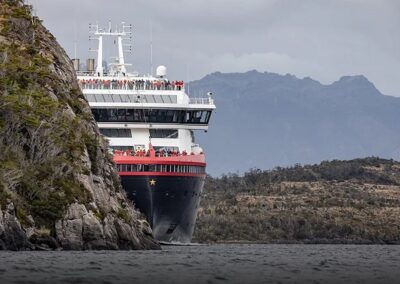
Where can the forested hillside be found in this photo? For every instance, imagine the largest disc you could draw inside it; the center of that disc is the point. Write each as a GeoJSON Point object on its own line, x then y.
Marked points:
{"type": "Point", "coordinates": [356, 201]}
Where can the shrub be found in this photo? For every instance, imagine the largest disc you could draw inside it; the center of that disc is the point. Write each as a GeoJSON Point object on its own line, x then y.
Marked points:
{"type": "Point", "coordinates": [124, 215]}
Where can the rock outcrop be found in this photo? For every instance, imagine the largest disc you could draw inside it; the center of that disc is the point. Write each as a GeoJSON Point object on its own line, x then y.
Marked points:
{"type": "Point", "coordinates": [59, 188]}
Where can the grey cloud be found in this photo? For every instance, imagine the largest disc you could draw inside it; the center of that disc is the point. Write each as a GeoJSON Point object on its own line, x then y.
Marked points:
{"type": "Point", "coordinates": [323, 39]}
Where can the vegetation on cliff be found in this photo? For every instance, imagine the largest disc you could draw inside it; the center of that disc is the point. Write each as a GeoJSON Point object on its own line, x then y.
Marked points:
{"type": "Point", "coordinates": [355, 201]}
{"type": "Point", "coordinates": [53, 160]}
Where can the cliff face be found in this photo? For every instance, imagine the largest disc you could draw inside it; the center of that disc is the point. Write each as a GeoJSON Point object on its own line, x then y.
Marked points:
{"type": "Point", "coordinates": [58, 185]}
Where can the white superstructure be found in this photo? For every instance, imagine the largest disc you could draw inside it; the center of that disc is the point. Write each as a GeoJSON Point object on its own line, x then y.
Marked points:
{"type": "Point", "coordinates": [133, 111]}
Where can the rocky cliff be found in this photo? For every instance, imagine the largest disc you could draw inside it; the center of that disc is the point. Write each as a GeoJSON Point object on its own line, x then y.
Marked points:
{"type": "Point", "coordinates": [58, 184]}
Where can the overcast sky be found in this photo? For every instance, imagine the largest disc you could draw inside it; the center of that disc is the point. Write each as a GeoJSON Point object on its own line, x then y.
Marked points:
{"type": "Point", "coordinates": [322, 39]}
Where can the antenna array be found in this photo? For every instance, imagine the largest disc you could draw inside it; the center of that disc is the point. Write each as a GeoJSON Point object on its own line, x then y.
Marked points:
{"type": "Point", "coordinates": [123, 33]}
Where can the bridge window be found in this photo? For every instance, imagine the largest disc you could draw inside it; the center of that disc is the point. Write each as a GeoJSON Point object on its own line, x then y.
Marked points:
{"type": "Point", "coordinates": [152, 116]}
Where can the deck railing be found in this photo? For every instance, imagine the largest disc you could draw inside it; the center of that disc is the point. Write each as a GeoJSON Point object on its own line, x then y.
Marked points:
{"type": "Point", "coordinates": [148, 153]}
{"type": "Point", "coordinates": [97, 84]}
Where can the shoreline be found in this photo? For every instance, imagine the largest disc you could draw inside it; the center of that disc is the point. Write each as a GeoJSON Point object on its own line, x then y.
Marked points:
{"type": "Point", "coordinates": [309, 242]}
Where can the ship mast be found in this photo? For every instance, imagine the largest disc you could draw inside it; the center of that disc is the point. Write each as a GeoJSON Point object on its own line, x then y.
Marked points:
{"type": "Point", "coordinates": [123, 33]}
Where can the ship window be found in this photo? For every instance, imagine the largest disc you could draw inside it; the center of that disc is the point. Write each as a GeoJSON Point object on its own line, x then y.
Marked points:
{"type": "Point", "coordinates": [90, 98]}
{"type": "Point", "coordinates": [108, 98]}
{"type": "Point", "coordinates": [204, 115]}
{"type": "Point", "coordinates": [166, 149]}
{"type": "Point", "coordinates": [113, 114]}
{"type": "Point", "coordinates": [116, 132]}
{"type": "Point", "coordinates": [160, 168]}
{"type": "Point", "coordinates": [163, 133]}
{"type": "Point", "coordinates": [121, 114]}
{"type": "Point", "coordinates": [166, 99]}
{"type": "Point", "coordinates": [129, 115]}
{"type": "Point", "coordinates": [158, 99]}
{"type": "Point", "coordinates": [122, 148]}
{"type": "Point", "coordinates": [150, 99]}
{"type": "Point", "coordinates": [151, 115]}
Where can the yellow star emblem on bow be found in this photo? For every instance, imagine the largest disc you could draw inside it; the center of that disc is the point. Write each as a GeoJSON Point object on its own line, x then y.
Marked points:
{"type": "Point", "coordinates": [152, 182]}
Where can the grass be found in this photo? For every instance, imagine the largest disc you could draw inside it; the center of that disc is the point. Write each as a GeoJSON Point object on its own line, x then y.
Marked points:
{"type": "Point", "coordinates": [124, 215]}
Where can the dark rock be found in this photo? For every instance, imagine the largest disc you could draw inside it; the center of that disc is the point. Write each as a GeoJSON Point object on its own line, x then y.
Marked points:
{"type": "Point", "coordinates": [54, 164]}
{"type": "Point", "coordinates": [14, 237]}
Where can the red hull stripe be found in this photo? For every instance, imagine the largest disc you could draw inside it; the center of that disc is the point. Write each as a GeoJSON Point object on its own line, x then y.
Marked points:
{"type": "Point", "coordinates": [160, 174]}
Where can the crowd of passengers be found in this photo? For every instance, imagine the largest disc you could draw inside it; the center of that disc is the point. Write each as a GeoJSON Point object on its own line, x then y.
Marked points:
{"type": "Point", "coordinates": [143, 153]}
{"type": "Point", "coordinates": [131, 85]}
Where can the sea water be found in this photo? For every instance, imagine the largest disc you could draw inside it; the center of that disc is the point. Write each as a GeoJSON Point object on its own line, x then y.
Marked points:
{"type": "Point", "coordinates": [221, 263]}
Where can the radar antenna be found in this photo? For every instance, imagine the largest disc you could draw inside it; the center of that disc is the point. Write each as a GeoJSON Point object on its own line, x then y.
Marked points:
{"type": "Point", "coordinates": [123, 34]}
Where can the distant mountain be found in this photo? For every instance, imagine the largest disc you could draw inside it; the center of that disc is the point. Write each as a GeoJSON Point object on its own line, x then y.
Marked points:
{"type": "Point", "coordinates": [266, 120]}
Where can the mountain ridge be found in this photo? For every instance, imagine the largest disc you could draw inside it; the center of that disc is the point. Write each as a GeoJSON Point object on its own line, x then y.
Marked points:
{"type": "Point", "coordinates": [289, 120]}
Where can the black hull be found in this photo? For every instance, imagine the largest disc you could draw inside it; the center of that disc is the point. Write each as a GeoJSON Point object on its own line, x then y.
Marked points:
{"type": "Point", "coordinates": [170, 203]}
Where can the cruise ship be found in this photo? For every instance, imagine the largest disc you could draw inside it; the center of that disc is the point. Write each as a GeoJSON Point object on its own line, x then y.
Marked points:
{"type": "Point", "coordinates": [149, 122]}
